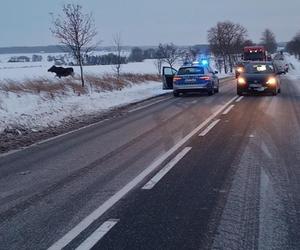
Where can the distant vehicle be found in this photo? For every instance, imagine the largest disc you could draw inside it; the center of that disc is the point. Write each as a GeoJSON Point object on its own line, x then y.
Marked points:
{"type": "Point", "coordinates": [280, 63]}
{"type": "Point", "coordinates": [61, 71]}
{"type": "Point", "coordinates": [192, 78]}
{"type": "Point", "coordinates": [259, 77]}
{"type": "Point", "coordinates": [255, 53]}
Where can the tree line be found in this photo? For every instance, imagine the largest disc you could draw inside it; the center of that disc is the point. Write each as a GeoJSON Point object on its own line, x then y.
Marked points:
{"type": "Point", "coordinates": [76, 31]}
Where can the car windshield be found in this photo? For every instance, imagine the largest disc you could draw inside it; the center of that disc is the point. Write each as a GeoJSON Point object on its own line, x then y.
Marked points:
{"type": "Point", "coordinates": [259, 68]}
{"type": "Point", "coordinates": [191, 71]}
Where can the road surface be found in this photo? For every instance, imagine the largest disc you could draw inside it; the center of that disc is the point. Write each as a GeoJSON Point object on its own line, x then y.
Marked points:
{"type": "Point", "coordinates": [194, 172]}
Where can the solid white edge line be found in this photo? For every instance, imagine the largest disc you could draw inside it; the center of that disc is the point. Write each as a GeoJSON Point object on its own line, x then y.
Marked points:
{"type": "Point", "coordinates": [209, 128]}
{"type": "Point", "coordinates": [228, 110]}
{"type": "Point", "coordinates": [239, 99]}
{"type": "Point", "coordinates": [87, 221]}
{"type": "Point", "coordinates": [149, 185]}
{"type": "Point", "coordinates": [149, 105]}
{"type": "Point", "coordinates": [96, 236]}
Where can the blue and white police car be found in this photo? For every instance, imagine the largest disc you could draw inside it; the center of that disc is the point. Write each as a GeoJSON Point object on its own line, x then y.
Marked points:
{"type": "Point", "coordinates": [196, 77]}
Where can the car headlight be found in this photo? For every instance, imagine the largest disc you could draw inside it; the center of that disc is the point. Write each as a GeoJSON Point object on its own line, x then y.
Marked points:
{"type": "Point", "coordinates": [272, 81]}
{"type": "Point", "coordinates": [241, 80]}
{"type": "Point", "coordinates": [240, 69]}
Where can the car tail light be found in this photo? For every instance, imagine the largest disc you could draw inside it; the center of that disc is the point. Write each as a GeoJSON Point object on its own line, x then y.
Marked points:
{"type": "Point", "coordinates": [177, 78]}
{"type": "Point", "coordinates": [205, 78]}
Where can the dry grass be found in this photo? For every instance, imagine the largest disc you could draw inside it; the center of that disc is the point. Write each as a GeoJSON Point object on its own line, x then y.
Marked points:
{"type": "Point", "coordinates": [58, 87]}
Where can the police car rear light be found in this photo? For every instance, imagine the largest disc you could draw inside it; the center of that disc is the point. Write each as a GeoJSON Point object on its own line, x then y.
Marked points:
{"type": "Point", "coordinates": [205, 78]}
{"type": "Point", "coordinates": [177, 78]}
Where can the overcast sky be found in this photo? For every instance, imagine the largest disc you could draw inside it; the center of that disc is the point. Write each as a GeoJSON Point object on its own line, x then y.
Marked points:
{"type": "Point", "coordinates": [149, 22]}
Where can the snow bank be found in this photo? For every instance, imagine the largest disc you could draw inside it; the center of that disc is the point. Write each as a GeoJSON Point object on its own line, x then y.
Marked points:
{"type": "Point", "coordinates": [294, 67]}
{"type": "Point", "coordinates": [34, 111]}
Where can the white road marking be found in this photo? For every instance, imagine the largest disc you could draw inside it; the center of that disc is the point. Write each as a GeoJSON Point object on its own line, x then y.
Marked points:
{"type": "Point", "coordinates": [209, 128]}
{"type": "Point", "coordinates": [228, 110]}
{"type": "Point", "coordinates": [239, 99]}
{"type": "Point", "coordinates": [166, 169]}
{"type": "Point", "coordinates": [97, 235]}
{"type": "Point", "coordinates": [149, 105]}
{"type": "Point", "coordinates": [86, 222]}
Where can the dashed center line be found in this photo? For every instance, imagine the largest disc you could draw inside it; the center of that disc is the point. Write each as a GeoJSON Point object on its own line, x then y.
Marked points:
{"type": "Point", "coordinates": [228, 110]}
{"type": "Point", "coordinates": [209, 128]}
{"type": "Point", "coordinates": [166, 169]}
{"type": "Point", "coordinates": [239, 99]}
{"type": "Point", "coordinates": [97, 235]}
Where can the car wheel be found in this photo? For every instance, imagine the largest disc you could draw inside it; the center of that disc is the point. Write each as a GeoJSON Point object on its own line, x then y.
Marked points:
{"type": "Point", "coordinates": [211, 91]}
{"type": "Point", "coordinates": [176, 93]}
{"type": "Point", "coordinates": [239, 92]}
{"type": "Point", "coordinates": [279, 90]}
{"type": "Point", "coordinates": [217, 88]}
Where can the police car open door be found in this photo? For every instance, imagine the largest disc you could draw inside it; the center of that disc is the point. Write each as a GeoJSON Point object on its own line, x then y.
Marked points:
{"type": "Point", "coordinates": [168, 74]}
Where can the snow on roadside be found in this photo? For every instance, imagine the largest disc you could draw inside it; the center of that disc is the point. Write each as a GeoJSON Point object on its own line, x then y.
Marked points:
{"type": "Point", "coordinates": [33, 111]}
{"type": "Point", "coordinates": [294, 67]}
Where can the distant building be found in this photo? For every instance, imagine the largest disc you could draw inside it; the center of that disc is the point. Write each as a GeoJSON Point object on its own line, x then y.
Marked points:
{"type": "Point", "coordinates": [19, 59]}
{"type": "Point", "coordinates": [37, 58]}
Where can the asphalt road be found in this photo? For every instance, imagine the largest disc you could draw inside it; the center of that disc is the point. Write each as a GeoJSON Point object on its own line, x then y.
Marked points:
{"type": "Point", "coordinates": [146, 180]}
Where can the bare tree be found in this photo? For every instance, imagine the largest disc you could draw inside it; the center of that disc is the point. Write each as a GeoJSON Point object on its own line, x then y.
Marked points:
{"type": "Point", "coordinates": [194, 53]}
{"type": "Point", "coordinates": [168, 53]}
{"type": "Point", "coordinates": [76, 30]}
{"type": "Point", "coordinates": [269, 41]}
{"type": "Point", "coordinates": [293, 47]}
{"type": "Point", "coordinates": [226, 40]}
{"type": "Point", "coordinates": [158, 64]}
{"type": "Point", "coordinates": [117, 41]}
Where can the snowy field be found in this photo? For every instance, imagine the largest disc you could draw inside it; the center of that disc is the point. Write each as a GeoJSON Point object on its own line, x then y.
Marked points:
{"type": "Point", "coordinates": [21, 71]}
{"type": "Point", "coordinates": [36, 111]}
{"type": "Point", "coordinates": [29, 70]}
{"type": "Point", "coordinates": [28, 110]}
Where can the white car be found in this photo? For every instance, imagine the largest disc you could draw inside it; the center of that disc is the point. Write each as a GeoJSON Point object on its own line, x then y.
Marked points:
{"type": "Point", "coordinates": [280, 63]}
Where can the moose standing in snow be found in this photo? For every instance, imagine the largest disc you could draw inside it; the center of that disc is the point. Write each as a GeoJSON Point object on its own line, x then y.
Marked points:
{"type": "Point", "coordinates": [61, 71]}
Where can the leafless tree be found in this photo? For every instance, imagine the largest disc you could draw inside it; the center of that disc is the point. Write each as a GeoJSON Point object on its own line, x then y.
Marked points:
{"type": "Point", "coordinates": [194, 53]}
{"type": "Point", "coordinates": [226, 40]}
{"type": "Point", "coordinates": [169, 53]}
{"type": "Point", "coordinates": [76, 30]}
{"type": "Point", "coordinates": [269, 41]}
{"type": "Point", "coordinates": [117, 41]}
{"type": "Point", "coordinates": [293, 46]}
{"type": "Point", "coordinates": [158, 64]}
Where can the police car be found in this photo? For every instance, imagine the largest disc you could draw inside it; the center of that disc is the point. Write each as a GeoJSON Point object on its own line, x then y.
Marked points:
{"type": "Point", "coordinates": [196, 77]}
